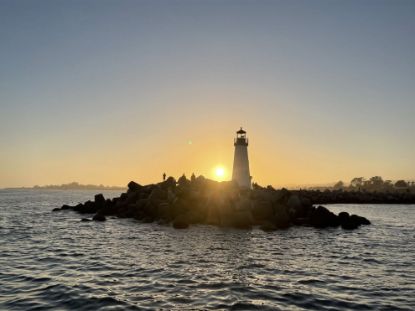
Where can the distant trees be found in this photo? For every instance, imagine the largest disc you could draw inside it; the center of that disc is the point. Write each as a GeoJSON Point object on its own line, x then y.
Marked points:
{"type": "Point", "coordinates": [357, 182]}
{"type": "Point", "coordinates": [401, 184]}
{"type": "Point", "coordinates": [339, 185]}
{"type": "Point", "coordinates": [375, 184]}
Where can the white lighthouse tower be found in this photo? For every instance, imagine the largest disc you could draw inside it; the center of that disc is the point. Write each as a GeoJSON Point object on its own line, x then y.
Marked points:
{"type": "Point", "coordinates": [240, 172]}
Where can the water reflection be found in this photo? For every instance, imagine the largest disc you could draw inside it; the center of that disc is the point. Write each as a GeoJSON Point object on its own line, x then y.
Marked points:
{"type": "Point", "coordinates": [53, 260]}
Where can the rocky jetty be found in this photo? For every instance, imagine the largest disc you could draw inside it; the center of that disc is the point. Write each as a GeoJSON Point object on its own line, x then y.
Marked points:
{"type": "Point", "coordinates": [203, 201]}
{"type": "Point", "coordinates": [357, 197]}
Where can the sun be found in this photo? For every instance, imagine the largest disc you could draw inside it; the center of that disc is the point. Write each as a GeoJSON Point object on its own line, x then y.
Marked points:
{"type": "Point", "coordinates": [219, 172]}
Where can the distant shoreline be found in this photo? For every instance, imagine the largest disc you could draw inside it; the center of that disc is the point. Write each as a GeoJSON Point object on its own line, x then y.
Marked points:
{"type": "Point", "coordinates": [69, 186]}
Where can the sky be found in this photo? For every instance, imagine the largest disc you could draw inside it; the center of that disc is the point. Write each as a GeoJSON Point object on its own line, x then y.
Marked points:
{"type": "Point", "coordinates": [105, 92]}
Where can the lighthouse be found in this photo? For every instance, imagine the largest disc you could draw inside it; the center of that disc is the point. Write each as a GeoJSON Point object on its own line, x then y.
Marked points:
{"type": "Point", "coordinates": [240, 172]}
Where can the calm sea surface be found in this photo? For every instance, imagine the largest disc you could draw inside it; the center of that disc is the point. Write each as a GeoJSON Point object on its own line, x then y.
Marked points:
{"type": "Point", "coordinates": [54, 261]}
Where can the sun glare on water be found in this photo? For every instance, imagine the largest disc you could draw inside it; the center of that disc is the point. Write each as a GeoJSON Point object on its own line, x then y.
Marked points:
{"type": "Point", "coordinates": [219, 173]}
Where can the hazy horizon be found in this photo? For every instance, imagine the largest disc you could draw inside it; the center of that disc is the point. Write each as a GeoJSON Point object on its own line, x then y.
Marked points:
{"type": "Point", "coordinates": [104, 92]}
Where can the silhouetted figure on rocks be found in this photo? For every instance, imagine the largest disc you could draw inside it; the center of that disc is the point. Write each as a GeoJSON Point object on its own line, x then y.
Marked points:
{"type": "Point", "coordinates": [164, 176]}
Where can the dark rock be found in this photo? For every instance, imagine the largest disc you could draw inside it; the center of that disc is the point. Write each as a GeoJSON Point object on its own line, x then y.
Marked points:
{"type": "Point", "coordinates": [56, 209]}
{"type": "Point", "coordinates": [242, 220]}
{"type": "Point", "coordinates": [322, 218]}
{"type": "Point", "coordinates": [180, 223]}
{"type": "Point", "coordinates": [360, 220]}
{"type": "Point", "coordinates": [99, 201]}
{"type": "Point", "coordinates": [109, 208]}
{"type": "Point", "coordinates": [353, 222]}
{"type": "Point", "coordinates": [281, 218]}
{"type": "Point", "coordinates": [147, 220]}
{"type": "Point", "coordinates": [164, 211]}
{"type": "Point", "coordinates": [85, 219]}
{"type": "Point", "coordinates": [158, 194]}
{"type": "Point", "coordinates": [343, 217]}
{"type": "Point", "coordinates": [183, 181]}
{"type": "Point", "coordinates": [268, 226]}
{"type": "Point", "coordinates": [89, 207]}
{"type": "Point", "coordinates": [349, 225]}
{"type": "Point", "coordinates": [169, 183]}
{"type": "Point", "coordinates": [123, 197]}
{"type": "Point", "coordinates": [301, 221]}
{"type": "Point", "coordinates": [294, 202]}
{"type": "Point", "coordinates": [282, 196]}
{"type": "Point", "coordinates": [99, 217]}
{"type": "Point", "coordinates": [133, 186]}
{"type": "Point", "coordinates": [66, 207]}
{"type": "Point", "coordinates": [262, 211]}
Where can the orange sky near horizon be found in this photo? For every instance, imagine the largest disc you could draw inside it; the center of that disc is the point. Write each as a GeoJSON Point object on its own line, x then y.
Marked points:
{"type": "Point", "coordinates": [276, 161]}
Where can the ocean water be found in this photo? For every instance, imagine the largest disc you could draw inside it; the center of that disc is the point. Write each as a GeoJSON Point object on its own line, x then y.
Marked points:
{"type": "Point", "coordinates": [52, 261]}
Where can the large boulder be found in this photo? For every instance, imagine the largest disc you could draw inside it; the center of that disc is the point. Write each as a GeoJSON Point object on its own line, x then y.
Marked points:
{"type": "Point", "coordinates": [321, 217]}
{"type": "Point", "coordinates": [109, 208]}
{"type": "Point", "coordinates": [133, 186]}
{"type": "Point", "coordinates": [343, 217]}
{"type": "Point", "coordinates": [352, 222]}
{"type": "Point", "coordinates": [99, 201]}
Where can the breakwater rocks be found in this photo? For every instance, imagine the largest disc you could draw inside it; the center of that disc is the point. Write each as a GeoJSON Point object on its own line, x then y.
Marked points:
{"type": "Point", "coordinates": [203, 201]}
{"type": "Point", "coordinates": [357, 197]}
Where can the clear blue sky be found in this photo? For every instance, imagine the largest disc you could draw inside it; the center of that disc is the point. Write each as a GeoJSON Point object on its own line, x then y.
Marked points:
{"type": "Point", "coordinates": [108, 91]}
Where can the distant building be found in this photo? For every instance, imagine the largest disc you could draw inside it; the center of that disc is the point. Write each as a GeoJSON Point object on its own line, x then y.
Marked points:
{"type": "Point", "coordinates": [240, 172]}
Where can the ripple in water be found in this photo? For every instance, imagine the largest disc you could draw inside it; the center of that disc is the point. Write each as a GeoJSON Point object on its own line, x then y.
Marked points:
{"type": "Point", "coordinates": [54, 261]}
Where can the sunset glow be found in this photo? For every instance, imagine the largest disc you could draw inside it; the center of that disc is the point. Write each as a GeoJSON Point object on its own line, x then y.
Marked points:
{"type": "Point", "coordinates": [219, 173]}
